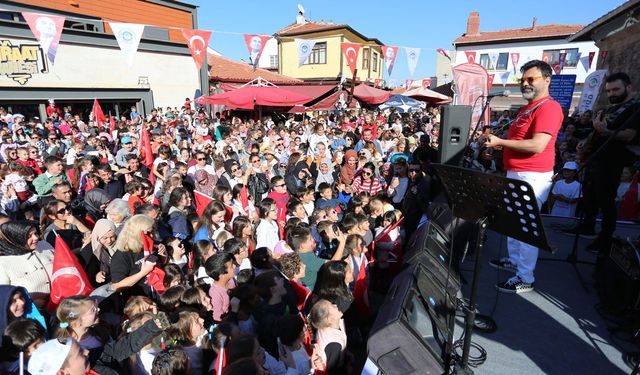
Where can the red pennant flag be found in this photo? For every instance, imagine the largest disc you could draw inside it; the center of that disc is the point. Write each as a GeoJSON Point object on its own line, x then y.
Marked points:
{"type": "Point", "coordinates": [221, 361]}
{"type": "Point", "coordinates": [389, 53]}
{"type": "Point", "coordinates": [351, 51]}
{"type": "Point", "coordinates": [546, 57]}
{"type": "Point", "coordinates": [244, 200]}
{"type": "Point", "coordinates": [202, 201]}
{"type": "Point", "coordinates": [604, 55]}
{"type": "Point", "coordinates": [556, 68]}
{"type": "Point", "coordinates": [147, 244]}
{"type": "Point", "coordinates": [68, 278]}
{"type": "Point", "coordinates": [515, 58]}
{"type": "Point", "coordinates": [426, 83]}
{"type": "Point", "coordinates": [47, 29]}
{"type": "Point", "coordinates": [255, 45]}
{"type": "Point", "coordinates": [562, 58]}
{"type": "Point", "coordinates": [98, 115]}
{"type": "Point", "coordinates": [198, 41]}
{"type": "Point", "coordinates": [155, 278]}
{"type": "Point", "coordinates": [145, 147]}
{"type": "Point", "coordinates": [629, 204]}
{"type": "Point", "coordinates": [591, 56]}
{"type": "Point", "coordinates": [490, 81]}
{"type": "Point", "coordinates": [360, 294]}
{"type": "Point", "coordinates": [444, 53]}
{"type": "Point", "coordinates": [471, 56]}
{"type": "Point", "coordinates": [408, 83]}
{"type": "Point", "coordinates": [376, 82]}
{"type": "Point", "coordinates": [112, 124]}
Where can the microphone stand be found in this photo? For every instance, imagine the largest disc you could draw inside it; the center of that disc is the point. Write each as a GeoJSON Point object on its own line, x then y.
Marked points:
{"type": "Point", "coordinates": [475, 129]}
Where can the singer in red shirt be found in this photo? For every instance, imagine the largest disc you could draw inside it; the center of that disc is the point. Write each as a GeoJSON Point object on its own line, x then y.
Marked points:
{"type": "Point", "coordinates": [529, 155]}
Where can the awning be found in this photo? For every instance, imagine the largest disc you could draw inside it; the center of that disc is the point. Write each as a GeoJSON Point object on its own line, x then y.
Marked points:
{"type": "Point", "coordinates": [370, 95]}
{"type": "Point", "coordinates": [314, 91]}
{"type": "Point", "coordinates": [249, 96]}
{"type": "Point", "coordinates": [329, 103]}
{"type": "Point", "coordinates": [427, 95]}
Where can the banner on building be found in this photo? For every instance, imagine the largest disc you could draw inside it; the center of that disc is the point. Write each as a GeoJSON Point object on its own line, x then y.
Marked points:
{"type": "Point", "coordinates": [471, 82]}
{"type": "Point", "coordinates": [351, 51]}
{"type": "Point", "coordinates": [255, 45]}
{"type": "Point", "coordinates": [389, 53]}
{"type": "Point", "coordinates": [590, 90]}
{"type": "Point", "coordinates": [515, 58]}
{"type": "Point", "coordinates": [426, 83]}
{"type": "Point", "coordinates": [304, 48]}
{"type": "Point", "coordinates": [20, 62]}
{"type": "Point", "coordinates": [197, 41]}
{"type": "Point", "coordinates": [471, 56]}
{"type": "Point", "coordinates": [128, 36]}
{"type": "Point", "coordinates": [413, 55]}
{"type": "Point", "coordinates": [561, 89]}
{"type": "Point", "coordinates": [47, 29]}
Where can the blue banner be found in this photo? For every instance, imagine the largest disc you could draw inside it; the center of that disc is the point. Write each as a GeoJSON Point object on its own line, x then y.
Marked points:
{"type": "Point", "coordinates": [561, 89]}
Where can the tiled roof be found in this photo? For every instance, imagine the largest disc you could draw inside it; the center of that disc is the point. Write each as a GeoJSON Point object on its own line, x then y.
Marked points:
{"type": "Point", "coordinates": [294, 28]}
{"type": "Point", "coordinates": [542, 31]}
{"type": "Point", "coordinates": [227, 70]}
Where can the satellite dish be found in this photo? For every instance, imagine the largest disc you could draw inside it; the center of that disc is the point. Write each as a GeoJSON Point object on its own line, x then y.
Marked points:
{"type": "Point", "coordinates": [300, 8]}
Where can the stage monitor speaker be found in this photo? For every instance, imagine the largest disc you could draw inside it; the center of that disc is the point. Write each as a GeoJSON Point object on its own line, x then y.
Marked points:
{"type": "Point", "coordinates": [413, 332]}
{"type": "Point", "coordinates": [455, 121]}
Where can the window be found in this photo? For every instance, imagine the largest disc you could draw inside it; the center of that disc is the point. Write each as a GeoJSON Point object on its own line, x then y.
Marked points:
{"type": "Point", "coordinates": [485, 62]}
{"type": "Point", "coordinates": [318, 54]}
{"type": "Point", "coordinates": [365, 58]}
{"type": "Point", "coordinates": [375, 62]}
{"type": "Point", "coordinates": [503, 60]}
{"type": "Point", "coordinates": [502, 64]}
{"type": "Point", "coordinates": [273, 61]}
{"type": "Point", "coordinates": [571, 61]}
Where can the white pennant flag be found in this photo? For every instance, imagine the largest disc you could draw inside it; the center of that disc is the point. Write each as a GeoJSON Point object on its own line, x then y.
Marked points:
{"type": "Point", "coordinates": [413, 55]}
{"type": "Point", "coordinates": [493, 56]}
{"type": "Point", "coordinates": [504, 77]}
{"type": "Point", "coordinates": [304, 47]}
{"type": "Point", "coordinates": [128, 36]}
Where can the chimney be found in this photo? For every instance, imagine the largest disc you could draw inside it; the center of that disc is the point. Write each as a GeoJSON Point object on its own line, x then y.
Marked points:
{"type": "Point", "coordinates": [473, 24]}
{"type": "Point", "coordinates": [534, 27]}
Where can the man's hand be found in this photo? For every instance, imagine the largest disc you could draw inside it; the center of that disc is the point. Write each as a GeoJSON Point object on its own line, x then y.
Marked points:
{"type": "Point", "coordinates": [599, 124]}
{"type": "Point", "coordinates": [492, 141]}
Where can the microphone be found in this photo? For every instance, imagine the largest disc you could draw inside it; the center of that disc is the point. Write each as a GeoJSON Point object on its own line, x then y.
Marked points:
{"type": "Point", "coordinates": [503, 93]}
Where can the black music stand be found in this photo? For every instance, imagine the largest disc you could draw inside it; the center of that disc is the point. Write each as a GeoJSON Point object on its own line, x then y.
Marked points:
{"type": "Point", "coordinates": [502, 204]}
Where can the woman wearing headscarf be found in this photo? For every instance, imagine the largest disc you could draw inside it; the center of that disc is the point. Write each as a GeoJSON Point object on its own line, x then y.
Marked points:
{"type": "Point", "coordinates": [348, 170]}
{"type": "Point", "coordinates": [205, 182]}
{"type": "Point", "coordinates": [22, 263]}
{"type": "Point", "coordinates": [297, 177]}
{"type": "Point", "coordinates": [95, 202]}
{"type": "Point", "coordinates": [16, 303]}
{"type": "Point", "coordinates": [325, 173]}
{"type": "Point", "coordinates": [95, 257]}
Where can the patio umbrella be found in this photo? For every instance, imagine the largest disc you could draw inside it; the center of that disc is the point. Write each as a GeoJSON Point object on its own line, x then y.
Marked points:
{"type": "Point", "coordinates": [402, 104]}
{"type": "Point", "coordinates": [370, 95]}
{"type": "Point", "coordinates": [427, 95]}
{"type": "Point", "coordinates": [249, 96]}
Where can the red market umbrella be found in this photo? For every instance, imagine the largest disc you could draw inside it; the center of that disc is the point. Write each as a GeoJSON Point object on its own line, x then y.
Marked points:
{"type": "Point", "coordinates": [249, 96]}
{"type": "Point", "coordinates": [370, 95]}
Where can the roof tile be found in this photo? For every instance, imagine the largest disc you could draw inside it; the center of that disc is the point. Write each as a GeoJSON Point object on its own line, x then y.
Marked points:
{"type": "Point", "coordinates": [227, 70]}
{"type": "Point", "coordinates": [541, 31]}
{"type": "Point", "coordinates": [294, 28]}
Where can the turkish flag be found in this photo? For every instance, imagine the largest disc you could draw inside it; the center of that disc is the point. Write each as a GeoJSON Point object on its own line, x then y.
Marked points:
{"type": "Point", "coordinates": [490, 81]}
{"type": "Point", "coordinates": [198, 41]}
{"type": "Point", "coordinates": [444, 53]}
{"type": "Point", "coordinates": [112, 124]}
{"type": "Point", "coordinates": [408, 83]}
{"type": "Point", "coordinates": [69, 278]}
{"type": "Point", "coordinates": [360, 293]}
{"type": "Point", "coordinates": [202, 201]}
{"type": "Point", "coordinates": [471, 56]}
{"type": "Point", "coordinates": [351, 51]}
{"type": "Point", "coordinates": [244, 200]}
{"type": "Point", "coordinates": [546, 57]}
{"type": "Point", "coordinates": [591, 56]}
{"type": "Point", "coordinates": [376, 82]}
{"type": "Point", "coordinates": [98, 115]}
{"type": "Point", "coordinates": [155, 278]}
{"type": "Point", "coordinates": [426, 83]}
{"type": "Point", "coordinates": [221, 361]}
{"type": "Point", "coordinates": [255, 45]}
{"type": "Point", "coordinates": [629, 204]}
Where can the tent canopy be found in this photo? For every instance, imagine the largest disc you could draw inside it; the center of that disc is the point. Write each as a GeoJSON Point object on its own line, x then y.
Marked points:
{"type": "Point", "coordinates": [427, 95]}
{"type": "Point", "coordinates": [370, 95]}
{"type": "Point", "coordinates": [329, 103]}
{"type": "Point", "coordinates": [402, 103]}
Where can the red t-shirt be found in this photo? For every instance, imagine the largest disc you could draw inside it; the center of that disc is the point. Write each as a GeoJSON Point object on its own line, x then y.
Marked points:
{"type": "Point", "coordinates": [547, 118]}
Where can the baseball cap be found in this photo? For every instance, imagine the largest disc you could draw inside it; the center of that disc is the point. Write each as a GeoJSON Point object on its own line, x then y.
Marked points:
{"type": "Point", "coordinates": [570, 165]}
{"type": "Point", "coordinates": [49, 357]}
{"type": "Point", "coordinates": [126, 140]}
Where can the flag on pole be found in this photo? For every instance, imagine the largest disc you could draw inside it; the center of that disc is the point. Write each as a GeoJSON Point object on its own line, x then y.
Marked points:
{"type": "Point", "coordinates": [360, 291]}
{"type": "Point", "coordinates": [255, 45]}
{"type": "Point", "coordinates": [244, 200]}
{"type": "Point", "coordinates": [201, 201]}
{"type": "Point", "coordinates": [389, 53]}
{"type": "Point", "coordinates": [68, 278]}
{"type": "Point", "coordinates": [98, 115]}
{"type": "Point", "coordinates": [471, 56]}
{"type": "Point", "coordinates": [47, 29]}
{"type": "Point", "coordinates": [304, 47]}
{"type": "Point", "coordinates": [351, 51]}
{"type": "Point", "coordinates": [146, 154]}
{"type": "Point", "coordinates": [112, 124]}
{"type": "Point", "coordinates": [128, 36]}
{"type": "Point", "coordinates": [221, 361]}
{"type": "Point", "coordinates": [155, 278]}
{"type": "Point", "coordinates": [413, 55]}
{"type": "Point", "coordinates": [198, 41]}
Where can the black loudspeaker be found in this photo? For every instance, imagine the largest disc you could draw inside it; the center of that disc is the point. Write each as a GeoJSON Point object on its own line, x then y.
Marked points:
{"type": "Point", "coordinates": [455, 121]}
{"type": "Point", "coordinates": [413, 332]}
{"type": "Point", "coordinates": [618, 277]}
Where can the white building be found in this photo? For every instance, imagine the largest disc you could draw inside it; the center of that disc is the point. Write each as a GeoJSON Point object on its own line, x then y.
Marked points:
{"type": "Point", "coordinates": [541, 42]}
{"type": "Point", "coordinates": [269, 58]}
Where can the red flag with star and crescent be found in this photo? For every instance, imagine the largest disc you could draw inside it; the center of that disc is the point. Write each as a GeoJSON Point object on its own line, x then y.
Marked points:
{"type": "Point", "coordinates": [197, 41]}
{"type": "Point", "coordinates": [68, 278]}
{"type": "Point", "coordinates": [201, 201]}
{"type": "Point", "coordinates": [351, 51]}
{"type": "Point", "coordinates": [98, 116]}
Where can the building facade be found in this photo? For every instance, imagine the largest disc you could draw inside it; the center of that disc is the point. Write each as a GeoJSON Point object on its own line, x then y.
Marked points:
{"type": "Point", "coordinates": [89, 63]}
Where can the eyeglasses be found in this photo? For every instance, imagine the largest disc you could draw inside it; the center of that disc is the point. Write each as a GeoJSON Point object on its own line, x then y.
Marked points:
{"type": "Point", "coordinates": [414, 170]}
{"type": "Point", "coordinates": [63, 210]}
{"type": "Point", "coordinates": [279, 185]}
{"type": "Point", "coordinates": [255, 161]}
{"type": "Point", "coordinates": [234, 170]}
{"type": "Point", "coordinates": [529, 80]}
{"type": "Point", "coordinates": [53, 139]}
{"type": "Point", "coordinates": [367, 173]}
{"type": "Point", "coordinates": [201, 159]}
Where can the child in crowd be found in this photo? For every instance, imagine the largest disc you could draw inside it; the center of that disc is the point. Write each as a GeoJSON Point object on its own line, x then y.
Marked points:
{"type": "Point", "coordinates": [566, 192]}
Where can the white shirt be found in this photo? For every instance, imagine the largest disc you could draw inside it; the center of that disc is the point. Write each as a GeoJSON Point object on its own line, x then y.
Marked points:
{"type": "Point", "coordinates": [571, 191]}
{"type": "Point", "coordinates": [267, 234]}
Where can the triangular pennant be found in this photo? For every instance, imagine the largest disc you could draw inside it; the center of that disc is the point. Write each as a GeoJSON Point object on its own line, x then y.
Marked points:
{"type": "Point", "coordinates": [426, 83]}
{"type": "Point", "coordinates": [546, 57]}
{"type": "Point", "coordinates": [197, 41]}
{"type": "Point", "coordinates": [584, 60]}
{"type": "Point", "coordinates": [444, 53]}
{"type": "Point", "coordinates": [408, 83]}
{"type": "Point", "coordinates": [562, 58]}
{"type": "Point", "coordinates": [128, 36]}
{"type": "Point", "coordinates": [604, 55]}
{"type": "Point", "coordinates": [47, 29]}
{"type": "Point", "coordinates": [68, 278]}
{"type": "Point", "coordinates": [591, 56]}
{"type": "Point", "coordinates": [389, 53]}
{"type": "Point", "coordinates": [493, 57]}
{"type": "Point", "coordinates": [304, 48]}
{"type": "Point", "coordinates": [413, 55]}
{"type": "Point", "coordinates": [504, 78]}
{"type": "Point", "coordinates": [471, 56]}
{"type": "Point", "coordinates": [491, 77]}
{"type": "Point", "coordinates": [515, 58]}
{"type": "Point", "coordinates": [351, 51]}
{"type": "Point", "coordinates": [376, 82]}
{"type": "Point", "coordinates": [255, 45]}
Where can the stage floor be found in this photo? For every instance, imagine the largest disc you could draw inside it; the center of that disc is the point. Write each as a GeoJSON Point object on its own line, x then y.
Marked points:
{"type": "Point", "coordinates": [553, 330]}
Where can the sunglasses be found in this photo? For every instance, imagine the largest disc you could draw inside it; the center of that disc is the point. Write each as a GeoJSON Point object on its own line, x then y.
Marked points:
{"type": "Point", "coordinates": [255, 161]}
{"type": "Point", "coordinates": [367, 173]}
{"type": "Point", "coordinates": [414, 170]}
{"type": "Point", "coordinates": [234, 170]}
{"type": "Point", "coordinates": [279, 185]}
{"type": "Point", "coordinates": [63, 210]}
{"type": "Point", "coordinates": [529, 80]}
{"type": "Point", "coordinates": [201, 159]}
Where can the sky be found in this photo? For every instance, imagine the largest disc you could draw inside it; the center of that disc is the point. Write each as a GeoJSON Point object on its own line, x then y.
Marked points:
{"type": "Point", "coordinates": [426, 24]}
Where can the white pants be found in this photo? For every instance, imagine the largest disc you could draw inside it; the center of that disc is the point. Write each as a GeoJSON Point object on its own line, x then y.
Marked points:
{"type": "Point", "coordinates": [523, 255]}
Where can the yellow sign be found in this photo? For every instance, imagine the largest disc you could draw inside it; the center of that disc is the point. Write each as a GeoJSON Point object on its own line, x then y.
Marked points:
{"type": "Point", "coordinates": [21, 61]}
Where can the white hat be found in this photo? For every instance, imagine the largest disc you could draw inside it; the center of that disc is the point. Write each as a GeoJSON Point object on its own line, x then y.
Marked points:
{"type": "Point", "coordinates": [49, 357]}
{"type": "Point", "coordinates": [570, 165]}
{"type": "Point", "coordinates": [51, 101]}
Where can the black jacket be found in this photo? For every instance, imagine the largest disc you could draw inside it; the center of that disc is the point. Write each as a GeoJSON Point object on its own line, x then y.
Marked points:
{"type": "Point", "coordinates": [257, 185]}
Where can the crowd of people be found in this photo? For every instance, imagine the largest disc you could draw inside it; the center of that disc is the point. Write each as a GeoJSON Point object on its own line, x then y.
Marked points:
{"type": "Point", "coordinates": [268, 237]}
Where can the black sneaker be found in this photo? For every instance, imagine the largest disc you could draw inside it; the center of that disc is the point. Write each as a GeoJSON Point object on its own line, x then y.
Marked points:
{"type": "Point", "coordinates": [514, 285]}
{"type": "Point", "coordinates": [584, 233]}
{"type": "Point", "coordinates": [503, 264]}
